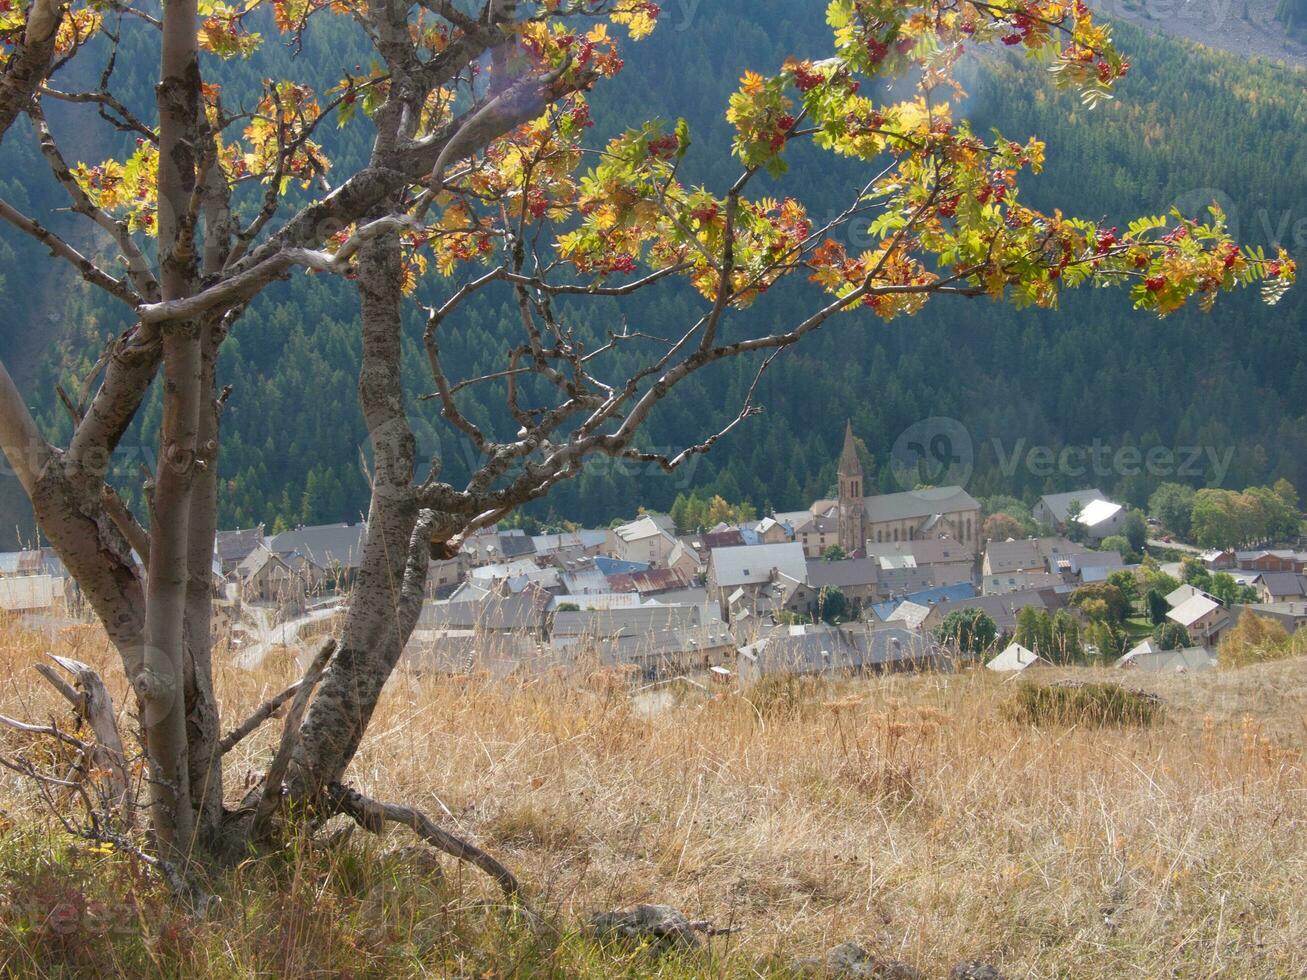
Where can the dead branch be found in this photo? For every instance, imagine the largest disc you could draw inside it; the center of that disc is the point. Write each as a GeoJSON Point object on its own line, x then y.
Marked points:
{"type": "Point", "coordinates": [261, 714]}
{"type": "Point", "coordinates": [373, 815]}
{"type": "Point", "coordinates": [276, 774]}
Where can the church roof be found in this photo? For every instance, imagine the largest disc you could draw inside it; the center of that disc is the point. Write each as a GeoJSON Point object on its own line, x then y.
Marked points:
{"type": "Point", "coordinates": [918, 503]}
{"type": "Point", "coordinates": [849, 465]}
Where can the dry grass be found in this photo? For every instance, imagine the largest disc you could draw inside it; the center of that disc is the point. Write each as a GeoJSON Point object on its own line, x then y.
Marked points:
{"type": "Point", "coordinates": [907, 813]}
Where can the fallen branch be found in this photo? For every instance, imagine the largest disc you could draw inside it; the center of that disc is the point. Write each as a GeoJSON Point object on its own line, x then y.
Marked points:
{"type": "Point", "coordinates": [261, 714]}
{"type": "Point", "coordinates": [373, 815]}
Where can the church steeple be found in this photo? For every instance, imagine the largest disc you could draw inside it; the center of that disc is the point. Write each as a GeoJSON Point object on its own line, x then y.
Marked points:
{"type": "Point", "coordinates": [851, 506]}
{"type": "Point", "coordinates": [849, 464]}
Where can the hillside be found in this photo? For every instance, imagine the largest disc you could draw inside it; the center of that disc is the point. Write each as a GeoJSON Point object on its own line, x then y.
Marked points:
{"type": "Point", "coordinates": [1189, 126]}
{"type": "Point", "coordinates": [915, 818]}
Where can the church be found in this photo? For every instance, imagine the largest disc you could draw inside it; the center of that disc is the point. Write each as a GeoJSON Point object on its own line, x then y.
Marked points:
{"type": "Point", "coordinates": [854, 520]}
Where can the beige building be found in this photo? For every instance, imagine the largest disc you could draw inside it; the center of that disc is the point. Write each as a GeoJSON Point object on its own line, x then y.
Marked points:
{"type": "Point", "coordinates": [648, 539]}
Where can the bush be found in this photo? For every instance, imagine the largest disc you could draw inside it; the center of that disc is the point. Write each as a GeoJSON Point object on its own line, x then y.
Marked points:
{"type": "Point", "coordinates": [1256, 639]}
{"type": "Point", "coordinates": [1093, 705]}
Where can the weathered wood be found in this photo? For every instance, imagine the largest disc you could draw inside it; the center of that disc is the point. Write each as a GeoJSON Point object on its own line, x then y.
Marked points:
{"type": "Point", "coordinates": [96, 706]}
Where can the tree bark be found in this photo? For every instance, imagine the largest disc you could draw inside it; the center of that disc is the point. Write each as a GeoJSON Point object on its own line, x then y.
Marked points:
{"type": "Point", "coordinates": [160, 685]}
{"type": "Point", "coordinates": [387, 594]}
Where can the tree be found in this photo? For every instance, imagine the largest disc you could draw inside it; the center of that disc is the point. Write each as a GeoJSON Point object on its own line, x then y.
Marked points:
{"type": "Point", "coordinates": [1117, 543]}
{"type": "Point", "coordinates": [968, 630]}
{"type": "Point", "coordinates": [1224, 588]}
{"type": "Point", "coordinates": [1001, 527]}
{"type": "Point", "coordinates": [832, 604]}
{"type": "Point", "coordinates": [1125, 580]}
{"type": "Point", "coordinates": [1066, 638]}
{"type": "Point", "coordinates": [1173, 504]}
{"type": "Point", "coordinates": [1034, 630]}
{"type": "Point", "coordinates": [1136, 530]}
{"type": "Point", "coordinates": [1195, 573]}
{"type": "Point", "coordinates": [834, 553]}
{"type": "Point", "coordinates": [1170, 636]}
{"type": "Point", "coordinates": [480, 186]}
{"type": "Point", "coordinates": [1253, 639]}
{"type": "Point", "coordinates": [1115, 606]}
{"type": "Point", "coordinates": [1157, 607]}
{"type": "Point", "coordinates": [1075, 529]}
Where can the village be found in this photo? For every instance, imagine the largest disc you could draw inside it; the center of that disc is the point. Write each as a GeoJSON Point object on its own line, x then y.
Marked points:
{"type": "Point", "coordinates": [889, 582]}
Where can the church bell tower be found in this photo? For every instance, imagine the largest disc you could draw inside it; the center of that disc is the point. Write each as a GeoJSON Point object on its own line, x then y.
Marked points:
{"type": "Point", "coordinates": [851, 507]}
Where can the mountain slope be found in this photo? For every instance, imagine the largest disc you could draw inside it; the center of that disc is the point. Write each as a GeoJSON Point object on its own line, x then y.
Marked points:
{"type": "Point", "coordinates": [1188, 126]}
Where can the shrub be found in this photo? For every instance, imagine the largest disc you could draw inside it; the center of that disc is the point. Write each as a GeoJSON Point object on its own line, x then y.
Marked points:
{"type": "Point", "coordinates": [1081, 704]}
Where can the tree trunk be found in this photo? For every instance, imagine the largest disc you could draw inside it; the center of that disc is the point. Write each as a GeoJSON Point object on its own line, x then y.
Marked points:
{"type": "Point", "coordinates": [203, 731]}
{"type": "Point", "coordinates": [160, 685]}
{"type": "Point", "coordinates": [387, 594]}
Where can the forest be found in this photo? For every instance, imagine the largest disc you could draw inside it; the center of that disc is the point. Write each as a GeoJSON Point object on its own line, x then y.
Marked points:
{"type": "Point", "coordinates": [1188, 128]}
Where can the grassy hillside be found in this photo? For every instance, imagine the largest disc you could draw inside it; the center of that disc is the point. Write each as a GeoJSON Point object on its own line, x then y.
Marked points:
{"type": "Point", "coordinates": [906, 813]}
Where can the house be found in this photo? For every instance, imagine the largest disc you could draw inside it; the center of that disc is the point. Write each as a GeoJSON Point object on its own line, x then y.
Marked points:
{"type": "Point", "coordinates": [818, 533]}
{"type": "Point", "coordinates": [1279, 586]}
{"type": "Point", "coordinates": [881, 611]}
{"type": "Point", "coordinates": [1183, 594]}
{"type": "Point", "coordinates": [647, 539]}
{"type": "Point", "coordinates": [266, 577]}
{"type": "Point", "coordinates": [752, 571]}
{"type": "Point", "coordinates": [31, 594]}
{"type": "Point", "coordinates": [1184, 661]}
{"type": "Point", "coordinates": [335, 549]}
{"type": "Point", "coordinates": [898, 582]}
{"type": "Point", "coordinates": [857, 578]}
{"type": "Point", "coordinates": [1092, 566]}
{"type": "Point", "coordinates": [1291, 615]}
{"type": "Point", "coordinates": [950, 561]}
{"type": "Point", "coordinates": [820, 649]}
{"type": "Point", "coordinates": [495, 547]}
{"type": "Point", "coordinates": [444, 576]}
{"type": "Point", "coordinates": [584, 543]}
{"type": "Point", "coordinates": [686, 559]}
{"type": "Point", "coordinates": [1002, 609]}
{"type": "Point", "coordinates": [1099, 516]}
{"type": "Point", "coordinates": [666, 653]}
{"type": "Point", "coordinates": [233, 547]}
{"type": "Point", "coordinates": [1018, 565]}
{"type": "Point", "coordinates": [1270, 561]}
{"type": "Point", "coordinates": [771, 531]}
{"type": "Point", "coordinates": [522, 613]}
{"type": "Point", "coordinates": [652, 581]}
{"type": "Point", "coordinates": [1016, 659]}
{"type": "Point", "coordinates": [1203, 617]}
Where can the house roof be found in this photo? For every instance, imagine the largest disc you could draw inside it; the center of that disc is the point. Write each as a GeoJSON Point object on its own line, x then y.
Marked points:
{"type": "Point", "coordinates": [1282, 583]}
{"type": "Point", "coordinates": [1098, 511]}
{"type": "Point", "coordinates": [234, 546]}
{"type": "Point", "coordinates": [326, 545]}
{"type": "Point", "coordinates": [520, 611]}
{"type": "Point", "coordinates": [1058, 503]}
{"type": "Point", "coordinates": [1183, 593]}
{"type": "Point", "coordinates": [1187, 660]}
{"type": "Point", "coordinates": [910, 614]}
{"type": "Point", "coordinates": [913, 504]}
{"type": "Point", "coordinates": [631, 621]}
{"type": "Point", "coordinates": [615, 566]}
{"type": "Point", "coordinates": [926, 597]}
{"type": "Point", "coordinates": [923, 551]}
{"type": "Point", "coordinates": [652, 580]}
{"type": "Point", "coordinates": [752, 564]}
{"type": "Point", "coordinates": [844, 574]}
{"type": "Point", "coordinates": [640, 529]}
{"type": "Point", "coordinates": [1016, 658]}
{"type": "Point", "coordinates": [1015, 555]}
{"type": "Point", "coordinates": [1193, 609]}
{"type": "Point", "coordinates": [818, 649]}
